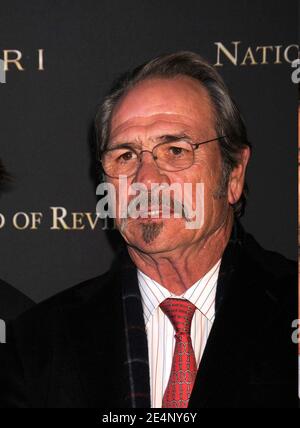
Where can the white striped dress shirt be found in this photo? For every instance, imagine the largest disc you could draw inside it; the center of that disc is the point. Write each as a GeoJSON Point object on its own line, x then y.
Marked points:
{"type": "Point", "coordinates": [160, 331]}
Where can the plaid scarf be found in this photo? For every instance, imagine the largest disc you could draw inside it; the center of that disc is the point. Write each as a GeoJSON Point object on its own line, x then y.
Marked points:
{"type": "Point", "coordinates": [136, 339]}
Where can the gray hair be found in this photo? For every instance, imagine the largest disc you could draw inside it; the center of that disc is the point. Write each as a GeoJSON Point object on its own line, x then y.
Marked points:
{"type": "Point", "coordinates": [228, 119]}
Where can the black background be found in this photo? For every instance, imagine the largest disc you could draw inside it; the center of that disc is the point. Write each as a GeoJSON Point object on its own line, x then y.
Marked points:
{"type": "Point", "coordinates": [46, 117]}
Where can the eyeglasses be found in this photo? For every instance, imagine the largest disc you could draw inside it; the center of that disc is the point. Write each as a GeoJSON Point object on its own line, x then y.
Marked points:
{"type": "Point", "coordinates": [169, 156]}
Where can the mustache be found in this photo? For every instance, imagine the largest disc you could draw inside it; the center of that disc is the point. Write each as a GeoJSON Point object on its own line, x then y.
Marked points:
{"type": "Point", "coordinates": [170, 205]}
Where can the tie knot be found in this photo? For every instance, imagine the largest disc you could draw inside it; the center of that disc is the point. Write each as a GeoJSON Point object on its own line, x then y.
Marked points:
{"type": "Point", "coordinates": [180, 312]}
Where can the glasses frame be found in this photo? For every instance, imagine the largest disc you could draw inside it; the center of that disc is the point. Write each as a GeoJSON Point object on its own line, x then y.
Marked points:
{"type": "Point", "coordinates": [194, 146]}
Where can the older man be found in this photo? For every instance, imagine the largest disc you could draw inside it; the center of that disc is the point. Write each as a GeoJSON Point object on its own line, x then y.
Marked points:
{"type": "Point", "coordinates": [195, 317]}
{"type": "Point", "coordinates": [12, 302]}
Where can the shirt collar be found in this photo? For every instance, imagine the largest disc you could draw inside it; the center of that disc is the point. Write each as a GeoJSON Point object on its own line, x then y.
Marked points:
{"type": "Point", "coordinates": [202, 293]}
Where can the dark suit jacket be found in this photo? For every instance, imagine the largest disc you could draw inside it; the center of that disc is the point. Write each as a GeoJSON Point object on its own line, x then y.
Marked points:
{"type": "Point", "coordinates": [71, 351]}
{"type": "Point", "coordinates": [12, 302]}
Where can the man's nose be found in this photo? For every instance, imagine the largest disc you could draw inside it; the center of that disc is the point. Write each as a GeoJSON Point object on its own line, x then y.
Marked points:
{"type": "Point", "coordinates": [148, 171]}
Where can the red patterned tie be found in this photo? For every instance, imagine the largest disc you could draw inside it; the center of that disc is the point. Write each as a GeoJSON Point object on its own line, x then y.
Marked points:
{"type": "Point", "coordinates": [184, 367]}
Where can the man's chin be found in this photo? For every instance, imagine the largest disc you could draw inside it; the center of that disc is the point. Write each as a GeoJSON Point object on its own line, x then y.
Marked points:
{"type": "Point", "coordinates": [151, 235]}
{"type": "Point", "coordinates": [147, 235]}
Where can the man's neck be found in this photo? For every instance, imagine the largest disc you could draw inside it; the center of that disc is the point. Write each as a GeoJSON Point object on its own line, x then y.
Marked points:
{"type": "Point", "coordinates": [179, 270]}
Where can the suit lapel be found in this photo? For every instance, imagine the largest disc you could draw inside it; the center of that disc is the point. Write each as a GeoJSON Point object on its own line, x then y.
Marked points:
{"type": "Point", "coordinates": [98, 340]}
{"type": "Point", "coordinates": [241, 311]}
{"type": "Point", "coordinates": [136, 339]}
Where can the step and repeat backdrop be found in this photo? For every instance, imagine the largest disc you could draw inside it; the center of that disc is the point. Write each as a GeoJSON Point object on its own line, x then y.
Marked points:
{"type": "Point", "coordinates": [59, 58]}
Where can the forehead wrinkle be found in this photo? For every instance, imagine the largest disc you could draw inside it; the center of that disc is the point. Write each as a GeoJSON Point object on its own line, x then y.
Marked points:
{"type": "Point", "coordinates": [149, 121]}
{"type": "Point", "coordinates": [164, 137]}
{"type": "Point", "coordinates": [146, 132]}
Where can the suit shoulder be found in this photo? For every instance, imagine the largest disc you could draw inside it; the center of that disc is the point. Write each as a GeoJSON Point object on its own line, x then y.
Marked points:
{"type": "Point", "coordinates": [272, 262]}
{"type": "Point", "coordinates": [275, 274]}
{"type": "Point", "coordinates": [12, 301]}
{"type": "Point", "coordinates": [75, 296]}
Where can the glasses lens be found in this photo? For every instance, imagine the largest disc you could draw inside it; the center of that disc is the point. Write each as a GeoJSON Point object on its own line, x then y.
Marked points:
{"type": "Point", "coordinates": [121, 161]}
{"type": "Point", "coordinates": [174, 156]}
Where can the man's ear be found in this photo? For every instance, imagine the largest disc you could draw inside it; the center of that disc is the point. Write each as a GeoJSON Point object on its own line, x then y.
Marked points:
{"type": "Point", "coordinates": [237, 177]}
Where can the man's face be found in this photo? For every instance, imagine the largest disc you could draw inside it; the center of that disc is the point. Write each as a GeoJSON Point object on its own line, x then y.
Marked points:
{"type": "Point", "coordinates": [153, 109]}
